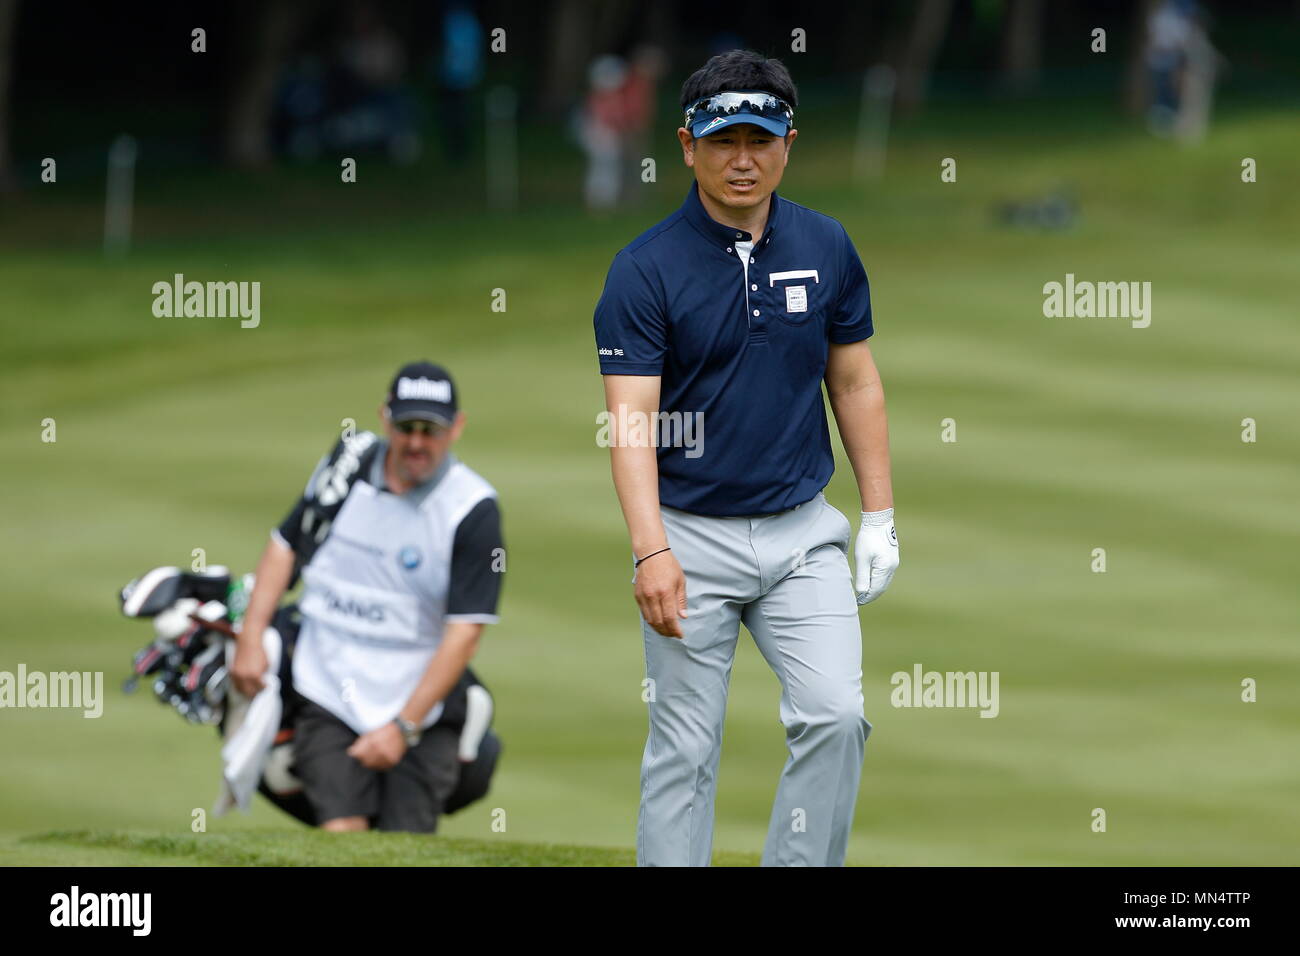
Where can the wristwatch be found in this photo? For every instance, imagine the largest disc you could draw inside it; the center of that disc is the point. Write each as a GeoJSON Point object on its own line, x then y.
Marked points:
{"type": "Point", "coordinates": [410, 732]}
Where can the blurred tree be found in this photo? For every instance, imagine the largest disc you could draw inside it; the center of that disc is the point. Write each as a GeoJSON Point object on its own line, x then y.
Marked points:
{"type": "Point", "coordinates": [581, 30]}
{"type": "Point", "coordinates": [1022, 45]}
{"type": "Point", "coordinates": [269, 29]}
{"type": "Point", "coordinates": [853, 40]}
{"type": "Point", "coordinates": [925, 35]}
{"type": "Point", "coordinates": [1135, 76]}
{"type": "Point", "coordinates": [8, 18]}
{"type": "Point", "coordinates": [567, 51]}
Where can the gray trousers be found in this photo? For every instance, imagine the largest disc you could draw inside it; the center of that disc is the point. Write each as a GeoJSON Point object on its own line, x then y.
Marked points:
{"type": "Point", "coordinates": [786, 578]}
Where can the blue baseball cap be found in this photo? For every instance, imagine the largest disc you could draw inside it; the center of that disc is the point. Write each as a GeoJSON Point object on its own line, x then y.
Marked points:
{"type": "Point", "coordinates": [709, 114]}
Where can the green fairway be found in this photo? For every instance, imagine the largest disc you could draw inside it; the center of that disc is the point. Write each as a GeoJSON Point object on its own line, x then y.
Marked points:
{"type": "Point", "coordinates": [305, 847]}
{"type": "Point", "coordinates": [1119, 690]}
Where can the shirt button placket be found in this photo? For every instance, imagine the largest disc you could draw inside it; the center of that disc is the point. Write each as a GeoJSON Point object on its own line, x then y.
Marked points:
{"type": "Point", "coordinates": [755, 288]}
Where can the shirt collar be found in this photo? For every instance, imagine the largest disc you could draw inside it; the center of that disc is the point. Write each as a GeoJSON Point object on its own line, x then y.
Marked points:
{"type": "Point", "coordinates": [695, 213]}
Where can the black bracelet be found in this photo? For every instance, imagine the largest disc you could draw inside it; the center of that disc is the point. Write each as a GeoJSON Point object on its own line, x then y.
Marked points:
{"type": "Point", "coordinates": [649, 556]}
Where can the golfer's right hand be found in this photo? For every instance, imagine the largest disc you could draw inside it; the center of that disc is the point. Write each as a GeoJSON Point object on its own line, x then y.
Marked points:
{"type": "Point", "coordinates": [249, 666]}
{"type": "Point", "coordinates": [661, 593]}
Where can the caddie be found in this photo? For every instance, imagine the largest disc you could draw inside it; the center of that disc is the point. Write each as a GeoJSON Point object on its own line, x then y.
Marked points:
{"type": "Point", "coordinates": [400, 551]}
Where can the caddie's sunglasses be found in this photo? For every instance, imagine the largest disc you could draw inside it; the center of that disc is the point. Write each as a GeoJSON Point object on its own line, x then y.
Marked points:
{"type": "Point", "coordinates": [432, 429]}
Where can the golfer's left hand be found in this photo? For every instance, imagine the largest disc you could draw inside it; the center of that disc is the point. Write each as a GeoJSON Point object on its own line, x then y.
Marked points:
{"type": "Point", "coordinates": [875, 555]}
{"type": "Point", "coordinates": [379, 749]}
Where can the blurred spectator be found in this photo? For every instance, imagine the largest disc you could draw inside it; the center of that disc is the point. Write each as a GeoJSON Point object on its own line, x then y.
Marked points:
{"type": "Point", "coordinates": [602, 125]}
{"type": "Point", "coordinates": [461, 71]}
{"type": "Point", "coordinates": [1182, 64]}
{"type": "Point", "coordinates": [371, 52]}
{"type": "Point", "coordinates": [358, 102]}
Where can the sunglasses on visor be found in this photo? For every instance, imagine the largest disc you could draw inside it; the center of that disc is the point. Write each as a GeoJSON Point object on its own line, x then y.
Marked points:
{"type": "Point", "coordinates": [729, 104]}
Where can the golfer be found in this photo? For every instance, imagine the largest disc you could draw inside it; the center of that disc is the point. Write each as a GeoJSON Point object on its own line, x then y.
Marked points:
{"type": "Point", "coordinates": [399, 546]}
{"type": "Point", "coordinates": [728, 316]}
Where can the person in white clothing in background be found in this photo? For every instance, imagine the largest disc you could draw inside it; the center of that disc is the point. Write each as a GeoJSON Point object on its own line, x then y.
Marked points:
{"type": "Point", "coordinates": [399, 547]}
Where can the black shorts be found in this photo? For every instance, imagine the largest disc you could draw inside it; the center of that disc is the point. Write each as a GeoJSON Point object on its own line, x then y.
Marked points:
{"type": "Point", "coordinates": [410, 796]}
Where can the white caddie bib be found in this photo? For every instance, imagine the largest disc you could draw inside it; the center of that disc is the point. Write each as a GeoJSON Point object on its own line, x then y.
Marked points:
{"type": "Point", "coordinates": [375, 596]}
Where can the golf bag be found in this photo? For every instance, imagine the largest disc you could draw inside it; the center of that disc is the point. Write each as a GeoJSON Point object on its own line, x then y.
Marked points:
{"type": "Point", "coordinates": [194, 616]}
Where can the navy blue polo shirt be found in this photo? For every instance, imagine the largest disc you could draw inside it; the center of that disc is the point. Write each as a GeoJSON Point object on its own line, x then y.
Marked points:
{"type": "Point", "coordinates": [748, 355]}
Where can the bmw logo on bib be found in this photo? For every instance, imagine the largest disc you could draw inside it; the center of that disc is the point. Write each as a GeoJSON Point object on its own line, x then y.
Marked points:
{"type": "Point", "coordinates": [410, 558]}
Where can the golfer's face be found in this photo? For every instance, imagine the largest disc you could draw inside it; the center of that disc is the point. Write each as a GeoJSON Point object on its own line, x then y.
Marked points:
{"type": "Point", "coordinates": [740, 165]}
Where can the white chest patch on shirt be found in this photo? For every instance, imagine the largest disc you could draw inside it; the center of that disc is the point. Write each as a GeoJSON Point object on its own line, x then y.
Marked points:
{"type": "Point", "coordinates": [796, 298]}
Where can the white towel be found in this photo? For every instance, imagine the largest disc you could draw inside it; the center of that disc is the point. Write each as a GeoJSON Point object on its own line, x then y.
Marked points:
{"type": "Point", "coordinates": [251, 726]}
{"type": "Point", "coordinates": [478, 718]}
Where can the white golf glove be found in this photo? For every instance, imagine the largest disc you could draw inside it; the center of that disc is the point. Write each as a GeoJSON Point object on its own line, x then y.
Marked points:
{"type": "Point", "coordinates": [875, 555]}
